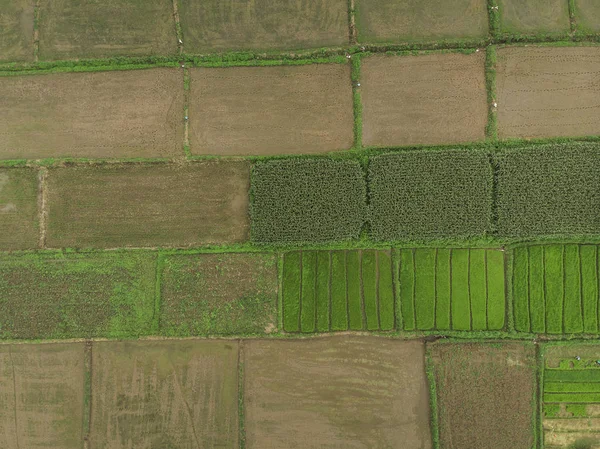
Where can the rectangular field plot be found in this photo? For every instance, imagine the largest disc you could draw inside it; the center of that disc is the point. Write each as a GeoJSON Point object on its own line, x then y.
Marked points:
{"type": "Point", "coordinates": [587, 16]}
{"type": "Point", "coordinates": [72, 29]}
{"type": "Point", "coordinates": [227, 25]}
{"type": "Point", "coordinates": [452, 289]}
{"type": "Point", "coordinates": [555, 289]}
{"type": "Point", "coordinates": [42, 396]}
{"type": "Point", "coordinates": [426, 99]}
{"type": "Point", "coordinates": [218, 294]}
{"type": "Point", "coordinates": [18, 208]}
{"type": "Point", "coordinates": [534, 17]}
{"type": "Point", "coordinates": [148, 204]}
{"type": "Point", "coordinates": [548, 91]}
{"type": "Point", "coordinates": [327, 291]}
{"type": "Point", "coordinates": [271, 110]}
{"type": "Point", "coordinates": [483, 389]}
{"type": "Point", "coordinates": [16, 32]}
{"type": "Point", "coordinates": [169, 394]}
{"type": "Point", "coordinates": [133, 113]}
{"type": "Point", "coordinates": [70, 296]}
{"type": "Point", "coordinates": [335, 392]}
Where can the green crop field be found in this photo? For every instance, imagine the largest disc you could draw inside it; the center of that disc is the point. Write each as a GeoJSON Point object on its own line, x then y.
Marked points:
{"type": "Point", "coordinates": [586, 15]}
{"type": "Point", "coordinates": [16, 17]}
{"type": "Point", "coordinates": [533, 16]}
{"type": "Point", "coordinates": [19, 219]}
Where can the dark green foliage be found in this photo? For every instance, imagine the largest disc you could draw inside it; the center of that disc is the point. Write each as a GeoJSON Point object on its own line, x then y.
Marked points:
{"type": "Point", "coordinates": [339, 311]}
{"type": "Point", "coordinates": [323, 270]}
{"type": "Point", "coordinates": [387, 315]}
{"type": "Point", "coordinates": [307, 200]}
{"type": "Point", "coordinates": [308, 308]}
{"type": "Point", "coordinates": [291, 291]}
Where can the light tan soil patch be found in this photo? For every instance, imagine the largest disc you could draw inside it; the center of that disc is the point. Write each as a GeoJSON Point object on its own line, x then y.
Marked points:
{"type": "Point", "coordinates": [427, 99]}
{"type": "Point", "coordinates": [41, 396]}
{"type": "Point", "coordinates": [148, 205]}
{"type": "Point", "coordinates": [271, 110]}
{"type": "Point", "coordinates": [548, 91]}
{"type": "Point", "coordinates": [338, 392]}
{"type": "Point", "coordinates": [18, 208]}
{"type": "Point", "coordinates": [169, 394]}
{"type": "Point", "coordinates": [483, 390]}
{"type": "Point", "coordinates": [134, 113]}
{"type": "Point", "coordinates": [16, 30]}
{"type": "Point", "coordinates": [221, 25]}
{"type": "Point", "coordinates": [534, 16]}
{"type": "Point", "coordinates": [578, 431]}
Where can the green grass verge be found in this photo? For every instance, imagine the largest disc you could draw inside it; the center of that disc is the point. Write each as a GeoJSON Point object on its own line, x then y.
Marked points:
{"type": "Point", "coordinates": [433, 405]}
{"type": "Point", "coordinates": [491, 129]}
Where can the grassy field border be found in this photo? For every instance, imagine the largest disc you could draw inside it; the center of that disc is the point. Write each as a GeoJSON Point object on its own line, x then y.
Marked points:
{"type": "Point", "coordinates": [433, 405]}
{"type": "Point", "coordinates": [491, 129]}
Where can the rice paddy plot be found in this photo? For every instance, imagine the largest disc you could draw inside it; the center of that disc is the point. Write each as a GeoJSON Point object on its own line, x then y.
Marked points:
{"type": "Point", "coordinates": [16, 32]}
{"type": "Point", "coordinates": [533, 17]}
{"type": "Point", "coordinates": [19, 219]}
{"type": "Point", "coordinates": [587, 13]}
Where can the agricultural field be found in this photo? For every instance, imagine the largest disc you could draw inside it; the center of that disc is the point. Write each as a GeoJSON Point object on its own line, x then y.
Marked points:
{"type": "Point", "coordinates": [327, 291]}
{"type": "Point", "coordinates": [16, 17]}
{"type": "Point", "coordinates": [427, 99]}
{"type": "Point", "coordinates": [536, 17]}
{"type": "Point", "coordinates": [271, 110]}
{"type": "Point", "coordinates": [18, 208]}
{"type": "Point", "coordinates": [586, 16]}
{"type": "Point", "coordinates": [119, 205]}
{"type": "Point", "coordinates": [547, 91]}
{"type": "Point", "coordinates": [452, 289]}
{"type": "Point", "coordinates": [483, 389]}
{"type": "Point", "coordinates": [321, 393]}
{"type": "Point", "coordinates": [227, 293]}
{"type": "Point", "coordinates": [135, 113]}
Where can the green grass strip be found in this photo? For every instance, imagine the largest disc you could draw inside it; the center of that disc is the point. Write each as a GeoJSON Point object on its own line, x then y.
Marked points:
{"type": "Point", "coordinates": [425, 288]}
{"type": "Point", "coordinates": [433, 404]}
{"type": "Point", "coordinates": [491, 129]}
{"type": "Point", "coordinates": [354, 291]}
{"type": "Point", "coordinates": [291, 292]}
{"type": "Point", "coordinates": [407, 288]}
{"type": "Point", "coordinates": [577, 398]}
{"type": "Point", "coordinates": [537, 300]}
{"type": "Point", "coordinates": [553, 259]}
{"type": "Point", "coordinates": [572, 308]}
{"type": "Point", "coordinates": [323, 269]}
{"type": "Point", "coordinates": [520, 285]}
{"type": "Point", "coordinates": [551, 410]}
{"type": "Point", "coordinates": [578, 410]}
{"type": "Point", "coordinates": [387, 316]}
{"type": "Point", "coordinates": [357, 102]}
{"type": "Point", "coordinates": [309, 272]}
{"type": "Point", "coordinates": [572, 387]}
{"type": "Point", "coordinates": [572, 375]}
{"type": "Point", "coordinates": [369, 284]}
{"type": "Point", "coordinates": [589, 287]}
{"type": "Point", "coordinates": [339, 312]}
{"type": "Point", "coordinates": [461, 308]}
{"type": "Point", "coordinates": [442, 287]}
{"type": "Point", "coordinates": [478, 287]}
{"type": "Point", "coordinates": [496, 299]}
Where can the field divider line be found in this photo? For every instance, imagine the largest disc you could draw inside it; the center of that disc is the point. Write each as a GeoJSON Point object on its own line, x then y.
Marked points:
{"type": "Point", "coordinates": [572, 19]}
{"type": "Point", "coordinates": [352, 34]}
{"type": "Point", "coordinates": [36, 31]}
{"type": "Point", "coordinates": [178, 32]}
{"type": "Point", "coordinates": [87, 393]}
{"type": "Point", "coordinates": [241, 403]}
{"type": "Point", "coordinates": [43, 205]}
{"type": "Point", "coordinates": [14, 382]}
{"type": "Point", "coordinates": [187, 82]}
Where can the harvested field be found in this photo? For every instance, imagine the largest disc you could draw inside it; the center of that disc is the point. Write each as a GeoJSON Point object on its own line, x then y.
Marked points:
{"type": "Point", "coordinates": [452, 289]}
{"type": "Point", "coordinates": [271, 110]}
{"type": "Point", "coordinates": [226, 25]}
{"type": "Point", "coordinates": [548, 91]}
{"type": "Point", "coordinates": [69, 296]}
{"type": "Point", "coordinates": [430, 195]}
{"type": "Point", "coordinates": [72, 29]}
{"type": "Point", "coordinates": [327, 291]}
{"type": "Point", "coordinates": [483, 389]}
{"type": "Point", "coordinates": [18, 208]}
{"type": "Point", "coordinates": [218, 294]}
{"type": "Point", "coordinates": [134, 113]}
{"type": "Point", "coordinates": [427, 99]}
{"type": "Point", "coordinates": [148, 204]}
{"type": "Point", "coordinates": [534, 16]}
{"type": "Point", "coordinates": [340, 392]}
{"type": "Point", "coordinates": [587, 13]}
{"type": "Point", "coordinates": [16, 30]}
{"type": "Point", "coordinates": [41, 392]}
{"type": "Point", "coordinates": [416, 20]}
{"type": "Point", "coordinates": [169, 394]}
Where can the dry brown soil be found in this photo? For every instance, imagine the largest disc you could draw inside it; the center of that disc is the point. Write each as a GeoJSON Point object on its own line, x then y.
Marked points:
{"type": "Point", "coordinates": [133, 113]}
{"type": "Point", "coordinates": [335, 392]}
{"type": "Point", "coordinates": [427, 99]}
{"type": "Point", "coordinates": [18, 208]}
{"type": "Point", "coordinates": [548, 91]}
{"type": "Point", "coordinates": [16, 30]}
{"type": "Point", "coordinates": [271, 110]}
{"type": "Point", "coordinates": [118, 205]}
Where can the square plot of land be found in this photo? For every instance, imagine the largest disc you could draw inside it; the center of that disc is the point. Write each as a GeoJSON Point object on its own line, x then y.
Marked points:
{"type": "Point", "coordinates": [16, 30]}
{"type": "Point", "coordinates": [414, 20]}
{"type": "Point", "coordinates": [587, 16]}
{"type": "Point", "coordinates": [548, 92]}
{"type": "Point", "coordinates": [93, 29]}
{"type": "Point", "coordinates": [427, 99]}
{"type": "Point", "coordinates": [534, 16]}
{"type": "Point", "coordinates": [167, 394]}
{"type": "Point", "coordinates": [271, 110]}
{"type": "Point", "coordinates": [338, 392]}
{"type": "Point", "coordinates": [134, 113]}
{"type": "Point", "coordinates": [41, 392]}
{"type": "Point", "coordinates": [222, 25]}
{"type": "Point", "coordinates": [18, 208]}
{"type": "Point", "coordinates": [148, 204]}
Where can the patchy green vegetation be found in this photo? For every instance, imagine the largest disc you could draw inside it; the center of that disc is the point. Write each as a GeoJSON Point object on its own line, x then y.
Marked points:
{"type": "Point", "coordinates": [19, 219]}
{"type": "Point", "coordinates": [534, 17]}
{"type": "Point", "coordinates": [16, 30]}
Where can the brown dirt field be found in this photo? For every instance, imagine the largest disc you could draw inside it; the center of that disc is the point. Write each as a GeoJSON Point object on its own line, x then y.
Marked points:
{"type": "Point", "coordinates": [18, 208]}
{"type": "Point", "coordinates": [118, 205]}
{"type": "Point", "coordinates": [271, 110]}
{"type": "Point", "coordinates": [168, 394]}
{"type": "Point", "coordinates": [335, 392]}
{"type": "Point", "coordinates": [548, 91]}
{"type": "Point", "coordinates": [428, 99]}
{"type": "Point", "coordinates": [133, 113]}
{"type": "Point", "coordinates": [16, 30]}
{"type": "Point", "coordinates": [41, 396]}
{"type": "Point", "coordinates": [483, 389]}
{"type": "Point", "coordinates": [562, 433]}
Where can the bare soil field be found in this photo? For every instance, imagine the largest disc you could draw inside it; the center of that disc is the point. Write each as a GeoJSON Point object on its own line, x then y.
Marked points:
{"type": "Point", "coordinates": [72, 29]}
{"type": "Point", "coordinates": [483, 389]}
{"type": "Point", "coordinates": [533, 16]}
{"type": "Point", "coordinates": [18, 208]}
{"type": "Point", "coordinates": [414, 20]}
{"type": "Point", "coordinates": [118, 205]}
{"type": "Point", "coordinates": [222, 25]}
{"type": "Point", "coordinates": [336, 392]}
{"type": "Point", "coordinates": [271, 110]}
{"type": "Point", "coordinates": [587, 13]}
{"type": "Point", "coordinates": [16, 30]}
{"type": "Point", "coordinates": [426, 99]}
{"type": "Point", "coordinates": [41, 392]}
{"type": "Point", "coordinates": [169, 394]}
{"type": "Point", "coordinates": [548, 91]}
{"type": "Point", "coordinates": [219, 294]}
{"type": "Point", "coordinates": [133, 113]}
